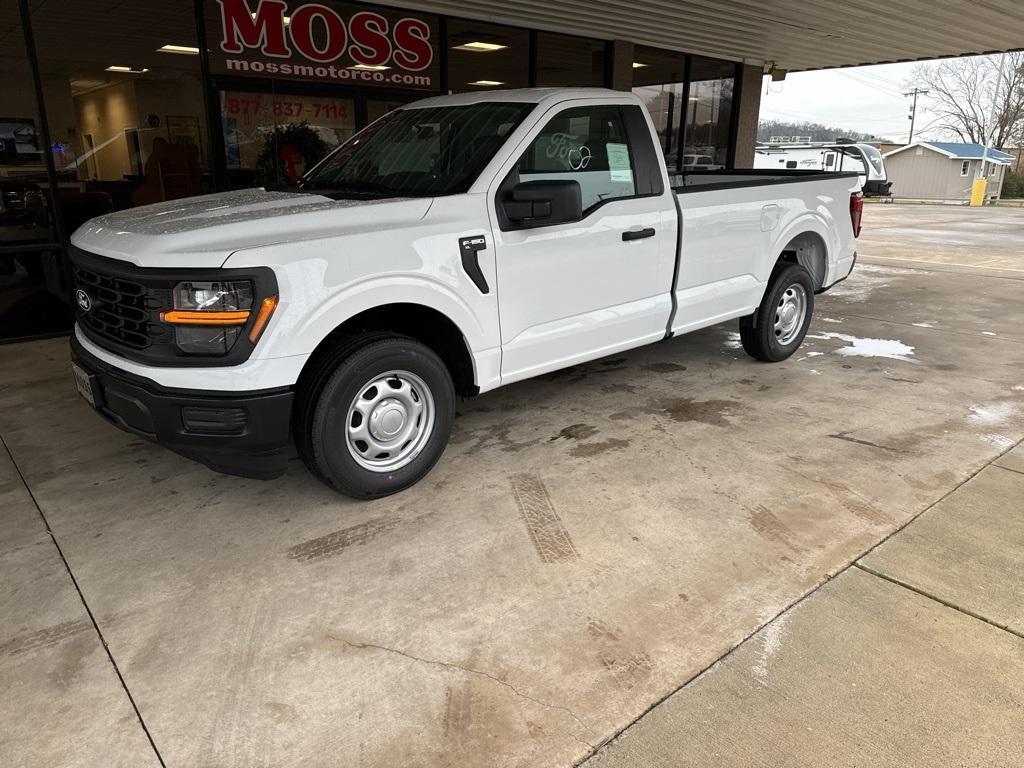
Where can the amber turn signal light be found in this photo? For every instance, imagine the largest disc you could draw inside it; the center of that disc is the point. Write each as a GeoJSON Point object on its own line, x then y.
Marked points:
{"type": "Point", "coordinates": [189, 317]}
{"type": "Point", "coordinates": [267, 307]}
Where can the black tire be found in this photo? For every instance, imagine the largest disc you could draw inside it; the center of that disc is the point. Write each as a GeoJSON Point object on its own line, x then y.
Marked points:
{"type": "Point", "coordinates": [760, 333]}
{"type": "Point", "coordinates": [324, 399]}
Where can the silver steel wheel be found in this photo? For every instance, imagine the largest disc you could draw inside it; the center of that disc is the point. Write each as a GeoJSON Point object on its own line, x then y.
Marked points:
{"type": "Point", "coordinates": [389, 421]}
{"type": "Point", "coordinates": [790, 313]}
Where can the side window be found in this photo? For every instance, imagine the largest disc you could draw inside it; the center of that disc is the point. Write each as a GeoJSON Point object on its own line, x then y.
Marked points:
{"type": "Point", "coordinates": [965, 167]}
{"type": "Point", "coordinates": [584, 144]}
{"type": "Point", "coordinates": [830, 159]}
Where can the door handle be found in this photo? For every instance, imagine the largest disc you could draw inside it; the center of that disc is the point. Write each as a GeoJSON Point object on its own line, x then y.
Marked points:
{"type": "Point", "coordinates": [637, 234]}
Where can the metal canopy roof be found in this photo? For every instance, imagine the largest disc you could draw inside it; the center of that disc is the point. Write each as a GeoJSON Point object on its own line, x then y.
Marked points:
{"type": "Point", "coordinates": [795, 34]}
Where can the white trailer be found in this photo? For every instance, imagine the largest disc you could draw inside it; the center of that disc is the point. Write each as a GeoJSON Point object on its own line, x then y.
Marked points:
{"type": "Point", "coordinates": [836, 156]}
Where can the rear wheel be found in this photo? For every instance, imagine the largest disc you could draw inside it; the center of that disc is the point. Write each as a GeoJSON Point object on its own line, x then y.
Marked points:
{"type": "Point", "coordinates": [776, 330]}
{"type": "Point", "coordinates": [380, 420]}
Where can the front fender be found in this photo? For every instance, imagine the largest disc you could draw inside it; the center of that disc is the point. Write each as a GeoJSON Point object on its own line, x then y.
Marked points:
{"type": "Point", "coordinates": [374, 292]}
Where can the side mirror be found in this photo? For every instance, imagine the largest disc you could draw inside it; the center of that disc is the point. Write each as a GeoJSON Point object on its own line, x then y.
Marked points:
{"type": "Point", "coordinates": [543, 203]}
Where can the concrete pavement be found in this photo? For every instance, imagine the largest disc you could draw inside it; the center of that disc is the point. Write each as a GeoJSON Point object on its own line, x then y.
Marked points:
{"type": "Point", "coordinates": [62, 702]}
{"type": "Point", "coordinates": [899, 660]}
{"type": "Point", "coordinates": [590, 542]}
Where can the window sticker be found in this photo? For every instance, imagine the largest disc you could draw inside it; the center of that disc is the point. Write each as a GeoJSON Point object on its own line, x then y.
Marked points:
{"type": "Point", "coordinates": [618, 163]}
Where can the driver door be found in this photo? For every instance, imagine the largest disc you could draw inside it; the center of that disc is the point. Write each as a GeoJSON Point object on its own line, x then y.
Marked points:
{"type": "Point", "coordinates": [575, 291]}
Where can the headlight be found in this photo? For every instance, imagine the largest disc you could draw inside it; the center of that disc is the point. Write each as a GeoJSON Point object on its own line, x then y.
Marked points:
{"type": "Point", "coordinates": [228, 295]}
{"type": "Point", "coordinates": [208, 316]}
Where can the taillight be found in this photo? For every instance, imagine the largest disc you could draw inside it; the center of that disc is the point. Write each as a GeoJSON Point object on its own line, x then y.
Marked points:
{"type": "Point", "coordinates": [856, 211]}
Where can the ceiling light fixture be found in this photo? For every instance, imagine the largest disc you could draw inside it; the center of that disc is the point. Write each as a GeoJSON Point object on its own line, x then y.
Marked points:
{"type": "Point", "coordinates": [638, 65]}
{"type": "Point", "coordinates": [478, 47]}
{"type": "Point", "coordinates": [488, 83]}
{"type": "Point", "coordinates": [187, 50]}
{"type": "Point", "coordinates": [133, 70]}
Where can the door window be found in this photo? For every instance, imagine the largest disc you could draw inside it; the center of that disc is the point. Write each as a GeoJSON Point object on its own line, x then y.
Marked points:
{"type": "Point", "coordinates": [587, 145]}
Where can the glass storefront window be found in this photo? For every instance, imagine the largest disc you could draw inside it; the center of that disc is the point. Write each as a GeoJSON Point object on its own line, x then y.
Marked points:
{"type": "Point", "coordinates": [708, 114]}
{"type": "Point", "coordinates": [482, 56]}
{"type": "Point", "coordinates": [658, 80]}
{"type": "Point", "coordinates": [128, 118]}
{"type": "Point", "coordinates": [570, 61]}
{"type": "Point", "coordinates": [273, 139]}
{"type": "Point", "coordinates": [702, 140]}
{"type": "Point", "coordinates": [33, 288]}
{"type": "Point", "coordinates": [127, 105]}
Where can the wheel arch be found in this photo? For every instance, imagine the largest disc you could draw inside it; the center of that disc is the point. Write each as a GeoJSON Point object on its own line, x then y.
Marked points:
{"type": "Point", "coordinates": [810, 250]}
{"type": "Point", "coordinates": [427, 325]}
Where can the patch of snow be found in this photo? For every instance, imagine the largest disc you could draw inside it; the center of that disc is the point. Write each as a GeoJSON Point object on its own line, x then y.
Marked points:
{"type": "Point", "coordinates": [878, 269]}
{"type": "Point", "coordinates": [733, 342]}
{"type": "Point", "coordinates": [924, 325]}
{"type": "Point", "coordinates": [855, 291]}
{"type": "Point", "coordinates": [1019, 388]}
{"type": "Point", "coordinates": [815, 373]}
{"type": "Point", "coordinates": [996, 413]}
{"type": "Point", "coordinates": [814, 354]}
{"type": "Point", "coordinates": [830, 320]}
{"type": "Point", "coordinates": [772, 642]}
{"type": "Point", "coordinates": [891, 348]}
{"type": "Point", "coordinates": [988, 333]}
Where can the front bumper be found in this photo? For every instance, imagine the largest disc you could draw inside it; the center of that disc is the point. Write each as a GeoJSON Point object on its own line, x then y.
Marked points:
{"type": "Point", "coordinates": [237, 433]}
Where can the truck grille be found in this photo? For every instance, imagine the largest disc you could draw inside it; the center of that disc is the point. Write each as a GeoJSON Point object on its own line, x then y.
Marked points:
{"type": "Point", "coordinates": [120, 311]}
{"type": "Point", "coordinates": [118, 307]}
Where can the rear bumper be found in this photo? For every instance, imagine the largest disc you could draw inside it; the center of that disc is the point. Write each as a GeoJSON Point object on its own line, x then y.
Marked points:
{"type": "Point", "coordinates": [238, 433]}
{"type": "Point", "coordinates": [877, 188]}
{"type": "Point", "coordinates": [853, 263]}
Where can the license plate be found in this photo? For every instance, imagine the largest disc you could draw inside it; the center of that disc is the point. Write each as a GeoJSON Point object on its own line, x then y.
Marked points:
{"type": "Point", "coordinates": [84, 382]}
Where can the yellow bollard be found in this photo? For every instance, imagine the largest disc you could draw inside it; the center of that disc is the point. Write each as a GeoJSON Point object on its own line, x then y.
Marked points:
{"type": "Point", "coordinates": [978, 192]}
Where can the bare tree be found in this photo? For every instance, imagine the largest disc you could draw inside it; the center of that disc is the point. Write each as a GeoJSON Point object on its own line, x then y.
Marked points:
{"type": "Point", "coordinates": [972, 101]}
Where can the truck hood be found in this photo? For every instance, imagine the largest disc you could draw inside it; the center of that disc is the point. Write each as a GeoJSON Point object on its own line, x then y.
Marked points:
{"type": "Point", "coordinates": [204, 231]}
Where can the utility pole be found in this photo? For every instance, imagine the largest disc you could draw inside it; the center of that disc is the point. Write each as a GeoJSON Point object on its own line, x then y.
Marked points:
{"type": "Point", "coordinates": [913, 111]}
{"type": "Point", "coordinates": [988, 139]}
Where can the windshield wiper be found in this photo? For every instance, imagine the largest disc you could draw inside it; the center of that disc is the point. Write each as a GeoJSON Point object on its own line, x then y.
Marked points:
{"type": "Point", "coordinates": [355, 187]}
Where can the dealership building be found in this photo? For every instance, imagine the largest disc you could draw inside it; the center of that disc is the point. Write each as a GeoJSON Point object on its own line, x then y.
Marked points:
{"type": "Point", "coordinates": [108, 106]}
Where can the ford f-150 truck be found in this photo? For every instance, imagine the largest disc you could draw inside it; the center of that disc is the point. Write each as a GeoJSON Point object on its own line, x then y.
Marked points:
{"type": "Point", "coordinates": [455, 245]}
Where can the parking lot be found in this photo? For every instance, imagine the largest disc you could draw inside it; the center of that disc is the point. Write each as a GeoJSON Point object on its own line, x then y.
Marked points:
{"type": "Point", "coordinates": [591, 542]}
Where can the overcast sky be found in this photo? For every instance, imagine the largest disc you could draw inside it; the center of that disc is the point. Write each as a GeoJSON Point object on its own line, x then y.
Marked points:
{"type": "Point", "coordinates": [867, 99]}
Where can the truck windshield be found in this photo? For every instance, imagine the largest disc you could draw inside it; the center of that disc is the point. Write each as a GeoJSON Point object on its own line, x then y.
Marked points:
{"type": "Point", "coordinates": [422, 152]}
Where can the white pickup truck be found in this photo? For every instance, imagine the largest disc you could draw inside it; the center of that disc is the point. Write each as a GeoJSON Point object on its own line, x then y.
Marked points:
{"type": "Point", "coordinates": [457, 244]}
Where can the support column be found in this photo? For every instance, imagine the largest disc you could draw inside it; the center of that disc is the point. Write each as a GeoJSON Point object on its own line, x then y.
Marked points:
{"type": "Point", "coordinates": [748, 107]}
{"type": "Point", "coordinates": [622, 65]}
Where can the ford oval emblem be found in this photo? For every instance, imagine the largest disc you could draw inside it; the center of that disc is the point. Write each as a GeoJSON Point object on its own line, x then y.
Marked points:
{"type": "Point", "coordinates": [83, 299]}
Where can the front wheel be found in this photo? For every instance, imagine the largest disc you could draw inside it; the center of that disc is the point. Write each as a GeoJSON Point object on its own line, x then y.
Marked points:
{"type": "Point", "coordinates": [777, 328]}
{"type": "Point", "coordinates": [381, 419]}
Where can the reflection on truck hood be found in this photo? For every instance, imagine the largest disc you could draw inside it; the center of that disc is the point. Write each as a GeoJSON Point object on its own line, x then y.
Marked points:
{"type": "Point", "coordinates": [203, 231]}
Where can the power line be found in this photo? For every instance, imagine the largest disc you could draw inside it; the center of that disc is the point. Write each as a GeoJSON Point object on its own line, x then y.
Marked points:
{"type": "Point", "coordinates": [875, 86]}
